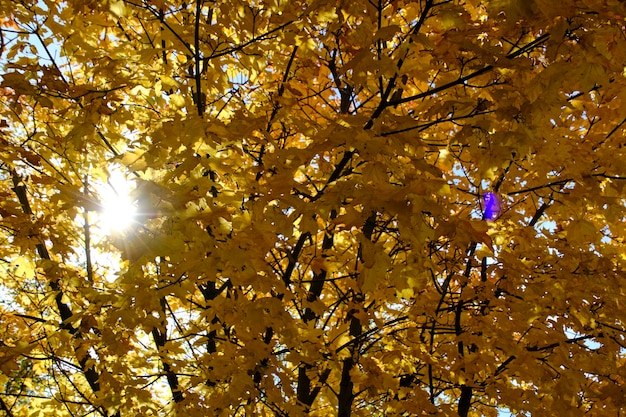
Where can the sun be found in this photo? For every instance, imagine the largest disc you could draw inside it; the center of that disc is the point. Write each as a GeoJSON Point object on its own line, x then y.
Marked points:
{"type": "Point", "coordinates": [118, 210]}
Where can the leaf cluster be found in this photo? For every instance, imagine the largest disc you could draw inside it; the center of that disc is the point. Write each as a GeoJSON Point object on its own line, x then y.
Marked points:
{"type": "Point", "coordinates": [309, 181]}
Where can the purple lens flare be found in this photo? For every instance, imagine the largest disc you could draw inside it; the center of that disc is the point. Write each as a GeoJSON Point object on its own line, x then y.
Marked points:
{"type": "Point", "coordinates": [491, 206]}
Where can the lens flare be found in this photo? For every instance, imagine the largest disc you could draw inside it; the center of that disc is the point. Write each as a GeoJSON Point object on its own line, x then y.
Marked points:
{"type": "Point", "coordinates": [491, 206]}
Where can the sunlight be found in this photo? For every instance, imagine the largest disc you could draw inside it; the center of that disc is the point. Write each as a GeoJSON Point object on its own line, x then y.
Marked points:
{"type": "Point", "coordinates": [118, 209]}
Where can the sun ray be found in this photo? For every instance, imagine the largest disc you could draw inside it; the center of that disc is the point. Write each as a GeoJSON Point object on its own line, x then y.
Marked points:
{"type": "Point", "coordinates": [118, 210]}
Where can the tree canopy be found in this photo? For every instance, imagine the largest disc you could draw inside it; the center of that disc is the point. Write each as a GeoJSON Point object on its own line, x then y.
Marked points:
{"type": "Point", "coordinates": [340, 208]}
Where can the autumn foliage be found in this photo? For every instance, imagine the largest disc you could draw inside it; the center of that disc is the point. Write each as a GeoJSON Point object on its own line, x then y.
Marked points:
{"type": "Point", "coordinates": [310, 235]}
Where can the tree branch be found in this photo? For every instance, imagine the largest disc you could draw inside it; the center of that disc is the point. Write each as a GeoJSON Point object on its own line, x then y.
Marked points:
{"type": "Point", "coordinates": [384, 103]}
{"type": "Point", "coordinates": [462, 80]}
{"type": "Point", "coordinates": [64, 310]}
{"type": "Point", "coordinates": [159, 335]}
{"type": "Point", "coordinates": [539, 187]}
{"type": "Point", "coordinates": [200, 100]}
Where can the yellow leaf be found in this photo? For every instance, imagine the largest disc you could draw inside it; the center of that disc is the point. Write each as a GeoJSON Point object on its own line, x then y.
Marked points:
{"type": "Point", "coordinates": [134, 159]}
{"type": "Point", "coordinates": [177, 101]}
{"type": "Point", "coordinates": [387, 32]}
{"type": "Point", "coordinates": [118, 8]}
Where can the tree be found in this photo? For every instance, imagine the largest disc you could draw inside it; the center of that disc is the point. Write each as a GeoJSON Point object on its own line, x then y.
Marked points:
{"type": "Point", "coordinates": [310, 180]}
